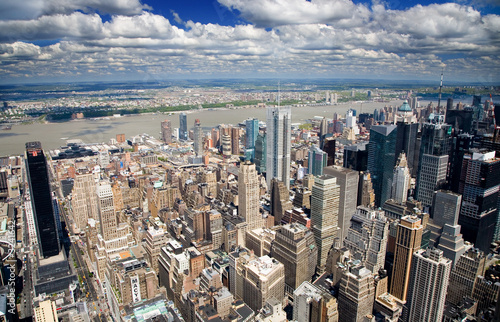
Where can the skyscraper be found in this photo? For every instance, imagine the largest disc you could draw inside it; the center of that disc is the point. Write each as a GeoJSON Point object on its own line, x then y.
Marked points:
{"type": "Point", "coordinates": [401, 180]}
{"type": "Point", "coordinates": [235, 141]}
{"type": "Point", "coordinates": [41, 199]}
{"type": "Point", "coordinates": [317, 161]}
{"type": "Point", "coordinates": [249, 194]}
{"type": "Point", "coordinates": [294, 246]}
{"type": "Point", "coordinates": [356, 294]}
{"type": "Point", "coordinates": [252, 130]}
{"type": "Point", "coordinates": [107, 216]}
{"type": "Point", "coordinates": [407, 135]}
{"type": "Point", "coordinates": [84, 199]}
{"type": "Point", "coordinates": [183, 131]}
{"type": "Point", "coordinates": [198, 138]}
{"type": "Point", "coordinates": [347, 180]}
{"type": "Point", "coordinates": [480, 189]}
{"type": "Point", "coordinates": [381, 160]}
{"type": "Point", "coordinates": [433, 159]}
{"type": "Point", "coordinates": [408, 239]}
{"type": "Point", "coordinates": [166, 131]}
{"type": "Point", "coordinates": [430, 273]}
{"type": "Point", "coordinates": [470, 265]}
{"type": "Point", "coordinates": [278, 131]}
{"type": "Point", "coordinates": [260, 153]}
{"type": "Point", "coordinates": [280, 200]}
{"type": "Point", "coordinates": [366, 239]}
{"type": "Point", "coordinates": [324, 216]}
{"type": "Point", "coordinates": [314, 304]}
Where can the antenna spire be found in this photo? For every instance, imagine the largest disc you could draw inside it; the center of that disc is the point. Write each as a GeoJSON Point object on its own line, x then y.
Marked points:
{"type": "Point", "coordinates": [279, 94]}
{"type": "Point", "coordinates": [440, 90]}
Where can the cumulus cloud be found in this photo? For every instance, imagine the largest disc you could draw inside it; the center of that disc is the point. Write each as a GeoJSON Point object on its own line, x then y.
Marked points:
{"type": "Point", "coordinates": [310, 38]}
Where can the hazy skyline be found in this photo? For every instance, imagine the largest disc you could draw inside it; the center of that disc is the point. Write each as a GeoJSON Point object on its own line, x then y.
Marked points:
{"type": "Point", "coordinates": [92, 40]}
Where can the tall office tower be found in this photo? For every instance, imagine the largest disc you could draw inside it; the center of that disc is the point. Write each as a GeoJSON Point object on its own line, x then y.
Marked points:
{"type": "Point", "coordinates": [381, 160]}
{"type": "Point", "coordinates": [356, 156]}
{"type": "Point", "coordinates": [278, 132]}
{"type": "Point", "coordinates": [366, 195]}
{"type": "Point", "coordinates": [407, 128]}
{"type": "Point", "coordinates": [463, 275]}
{"type": "Point", "coordinates": [401, 180]}
{"type": "Point", "coordinates": [366, 239]}
{"type": "Point", "coordinates": [155, 240]}
{"type": "Point", "coordinates": [107, 216]}
{"type": "Point", "coordinates": [433, 159]}
{"type": "Point", "coordinates": [317, 161]}
{"type": "Point", "coordinates": [41, 200]}
{"type": "Point", "coordinates": [183, 127]}
{"type": "Point", "coordinates": [347, 179]}
{"type": "Point", "coordinates": [446, 208]}
{"type": "Point", "coordinates": [462, 143]}
{"type": "Point", "coordinates": [263, 278]}
{"type": "Point", "coordinates": [280, 200]}
{"type": "Point", "coordinates": [314, 304]}
{"type": "Point", "coordinates": [249, 194]}
{"type": "Point", "coordinates": [252, 131]}
{"type": "Point", "coordinates": [408, 240]}
{"type": "Point", "coordinates": [235, 141]}
{"type": "Point", "coordinates": [486, 290]}
{"type": "Point", "coordinates": [84, 199]}
{"type": "Point", "coordinates": [295, 248]}
{"type": "Point", "coordinates": [323, 130]}
{"type": "Point", "coordinates": [350, 120]}
{"type": "Point", "coordinates": [329, 148]}
{"type": "Point", "coordinates": [324, 216]}
{"type": "Point", "coordinates": [260, 153]}
{"type": "Point", "coordinates": [429, 278]}
{"type": "Point", "coordinates": [449, 104]}
{"type": "Point", "coordinates": [166, 131]}
{"type": "Point", "coordinates": [356, 294]}
{"type": "Point", "coordinates": [198, 138]}
{"type": "Point", "coordinates": [215, 134]}
{"type": "Point", "coordinates": [479, 186]}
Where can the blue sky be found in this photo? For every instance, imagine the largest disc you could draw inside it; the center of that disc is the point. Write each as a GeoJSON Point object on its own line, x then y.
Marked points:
{"type": "Point", "coordinates": [86, 40]}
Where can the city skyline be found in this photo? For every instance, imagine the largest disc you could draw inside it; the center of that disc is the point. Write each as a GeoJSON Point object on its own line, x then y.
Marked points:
{"type": "Point", "coordinates": [62, 40]}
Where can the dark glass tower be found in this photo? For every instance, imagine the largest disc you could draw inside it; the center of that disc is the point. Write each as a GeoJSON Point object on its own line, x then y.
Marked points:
{"type": "Point", "coordinates": [43, 212]}
{"type": "Point", "coordinates": [183, 132]}
{"type": "Point", "coordinates": [381, 160]}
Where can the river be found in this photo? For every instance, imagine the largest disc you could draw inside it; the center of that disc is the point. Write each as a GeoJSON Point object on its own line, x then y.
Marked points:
{"type": "Point", "coordinates": [53, 135]}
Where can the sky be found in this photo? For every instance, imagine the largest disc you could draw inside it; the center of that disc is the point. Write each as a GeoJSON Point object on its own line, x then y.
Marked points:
{"type": "Point", "coordinates": [155, 40]}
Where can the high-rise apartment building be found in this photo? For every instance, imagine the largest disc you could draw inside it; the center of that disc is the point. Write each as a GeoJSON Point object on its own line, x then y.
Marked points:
{"type": "Point", "coordinates": [401, 180]}
{"type": "Point", "coordinates": [278, 144]}
{"type": "Point", "coordinates": [249, 195]}
{"type": "Point", "coordinates": [429, 277]}
{"type": "Point", "coordinates": [433, 159]}
{"type": "Point", "coordinates": [324, 216]}
{"type": "Point", "coordinates": [166, 131]}
{"type": "Point", "coordinates": [366, 239]}
{"type": "Point", "coordinates": [41, 199]}
{"type": "Point", "coordinates": [381, 160]}
{"type": "Point", "coordinates": [347, 180]}
{"type": "Point", "coordinates": [356, 294]}
{"type": "Point", "coordinates": [252, 131]}
{"type": "Point", "coordinates": [317, 161]}
{"type": "Point", "coordinates": [260, 153]}
{"type": "Point", "coordinates": [183, 130]}
{"type": "Point", "coordinates": [198, 138]}
{"type": "Point", "coordinates": [295, 248]}
{"type": "Point", "coordinates": [84, 199]}
{"type": "Point", "coordinates": [408, 240]}
{"type": "Point", "coordinates": [480, 189]}
{"type": "Point", "coordinates": [314, 304]}
{"type": "Point", "coordinates": [235, 141]}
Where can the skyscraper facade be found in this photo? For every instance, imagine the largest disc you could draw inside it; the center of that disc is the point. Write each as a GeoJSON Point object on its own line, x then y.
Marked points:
{"type": "Point", "coordinates": [347, 180]}
{"type": "Point", "coordinates": [429, 278]}
{"type": "Point", "coordinates": [84, 199]}
{"type": "Point", "coordinates": [249, 194]}
{"type": "Point", "coordinates": [235, 141]}
{"type": "Point", "coordinates": [260, 153]}
{"type": "Point", "coordinates": [356, 294]}
{"type": "Point", "coordinates": [252, 130]}
{"type": "Point", "coordinates": [433, 159]}
{"type": "Point", "coordinates": [107, 216]}
{"type": "Point", "coordinates": [198, 138]}
{"type": "Point", "coordinates": [401, 180]}
{"type": "Point", "coordinates": [408, 240]}
{"type": "Point", "coordinates": [317, 161]}
{"type": "Point", "coordinates": [41, 199]}
{"type": "Point", "coordinates": [278, 131]}
{"type": "Point", "coordinates": [312, 303]}
{"type": "Point", "coordinates": [324, 216]}
{"type": "Point", "coordinates": [381, 160]}
{"type": "Point", "coordinates": [166, 131]}
{"type": "Point", "coordinates": [183, 131]}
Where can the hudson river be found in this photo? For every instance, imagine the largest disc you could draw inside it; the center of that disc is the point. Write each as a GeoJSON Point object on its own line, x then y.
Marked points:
{"type": "Point", "coordinates": [53, 135]}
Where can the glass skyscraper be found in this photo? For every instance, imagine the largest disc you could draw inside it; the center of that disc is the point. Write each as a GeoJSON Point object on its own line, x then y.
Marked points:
{"type": "Point", "coordinates": [41, 199]}
{"type": "Point", "coordinates": [183, 132]}
{"type": "Point", "coordinates": [279, 128]}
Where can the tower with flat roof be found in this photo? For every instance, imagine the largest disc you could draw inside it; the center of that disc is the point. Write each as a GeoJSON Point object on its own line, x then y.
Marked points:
{"type": "Point", "coordinates": [278, 133]}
